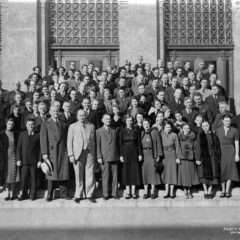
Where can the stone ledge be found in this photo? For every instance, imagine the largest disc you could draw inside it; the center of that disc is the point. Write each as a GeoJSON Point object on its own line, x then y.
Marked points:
{"type": "Point", "coordinates": [123, 203]}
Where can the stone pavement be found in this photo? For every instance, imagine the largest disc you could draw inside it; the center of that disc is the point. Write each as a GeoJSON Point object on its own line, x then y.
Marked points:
{"type": "Point", "coordinates": [120, 223]}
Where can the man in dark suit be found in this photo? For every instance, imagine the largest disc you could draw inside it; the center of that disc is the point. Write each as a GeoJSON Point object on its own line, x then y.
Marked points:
{"type": "Point", "coordinates": [17, 87]}
{"type": "Point", "coordinates": [28, 155]}
{"type": "Point", "coordinates": [201, 107]}
{"type": "Point", "coordinates": [176, 105]}
{"type": "Point", "coordinates": [169, 92]}
{"type": "Point", "coordinates": [213, 100]}
{"type": "Point", "coordinates": [62, 95]}
{"type": "Point", "coordinates": [188, 113]}
{"type": "Point", "coordinates": [123, 101]}
{"type": "Point", "coordinates": [67, 117]}
{"type": "Point", "coordinates": [53, 141]}
{"type": "Point", "coordinates": [74, 103]}
{"type": "Point", "coordinates": [81, 94]}
{"type": "Point", "coordinates": [107, 156]}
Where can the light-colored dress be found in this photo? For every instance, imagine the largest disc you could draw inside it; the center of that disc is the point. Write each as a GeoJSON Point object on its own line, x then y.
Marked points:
{"type": "Point", "coordinates": [171, 149]}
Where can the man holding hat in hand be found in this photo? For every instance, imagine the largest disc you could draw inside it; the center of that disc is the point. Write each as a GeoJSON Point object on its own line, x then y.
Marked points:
{"type": "Point", "coordinates": [53, 143]}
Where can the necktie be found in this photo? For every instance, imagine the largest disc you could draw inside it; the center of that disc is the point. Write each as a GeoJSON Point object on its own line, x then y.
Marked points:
{"type": "Point", "coordinates": [85, 141]}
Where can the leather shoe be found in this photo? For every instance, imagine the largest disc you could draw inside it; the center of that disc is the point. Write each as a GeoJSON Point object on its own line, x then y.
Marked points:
{"type": "Point", "coordinates": [166, 196]}
{"type": "Point", "coordinates": [153, 196]}
{"type": "Point", "coordinates": [7, 198]}
{"type": "Point", "coordinates": [172, 196]}
{"type": "Point", "coordinates": [92, 200]}
{"type": "Point", "coordinates": [210, 196]}
{"type": "Point", "coordinates": [145, 196]}
{"type": "Point", "coordinates": [105, 198]}
{"type": "Point", "coordinates": [49, 199]}
{"type": "Point", "coordinates": [33, 198]}
{"type": "Point", "coordinates": [21, 198]}
{"type": "Point", "coordinates": [76, 200]}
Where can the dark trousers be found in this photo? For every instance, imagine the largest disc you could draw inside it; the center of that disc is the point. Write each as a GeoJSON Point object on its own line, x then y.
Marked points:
{"type": "Point", "coordinates": [109, 170]}
{"type": "Point", "coordinates": [28, 172]}
{"type": "Point", "coordinates": [63, 185]}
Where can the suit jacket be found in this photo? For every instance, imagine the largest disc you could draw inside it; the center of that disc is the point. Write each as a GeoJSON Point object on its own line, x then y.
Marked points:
{"type": "Point", "coordinates": [38, 122]}
{"type": "Point", "coordinates": [107, 147]}
{"type": "Point", "coordinates": [95, 117]}
{"type": "Point", "coordinates": [189, 118]}
{"type": "Point", "coordinates": [124, 104]}
{"type": "Point", "coordinates": [12, 96]}
{"type": "Point", "coordinates": [28, 148]}
{"type": "Point", "coordinates": [75, 139]}
{"type": "Point", "coordinates": [213, 104]}
{"type": "Point", "coordinates": [203, 109]}
{"type": "Point", "coordinates": [63, 98]}
{"type": "Point", "coordinates": [4, 96]}
{"type": "Point", "coordinates": [53, 142]}
{"type": "Point", "coordinates": [81, 96]}
{"type": "Point", "coordinates": [74, 106]}
{"type": "Point", "coordinates": [176, 107]}
{"type": "Point", "coordinates": [68, 121]}
{"type": "Point", "coordinates": [169, 94]}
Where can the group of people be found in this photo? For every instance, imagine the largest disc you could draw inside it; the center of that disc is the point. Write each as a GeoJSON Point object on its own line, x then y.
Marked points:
{"type": "Point", "coordinates": [132, 126]}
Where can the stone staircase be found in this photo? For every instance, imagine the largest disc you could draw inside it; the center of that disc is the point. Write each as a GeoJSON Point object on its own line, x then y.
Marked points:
{"type": "Point", "coordinates": [180, 201]}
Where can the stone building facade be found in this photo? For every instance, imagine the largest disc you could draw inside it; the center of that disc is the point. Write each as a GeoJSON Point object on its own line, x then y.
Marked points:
{"type": "Point", "coordinates": [111, 32]}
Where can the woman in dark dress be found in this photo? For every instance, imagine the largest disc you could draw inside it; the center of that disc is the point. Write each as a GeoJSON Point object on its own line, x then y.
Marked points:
{"type": "Point", "coordinates": [187, 171]}
{"type": "Point", "coordinates": [8, 145]}
{"type": "Point", "coordinates": [209, 155]}
{"type": "Point", "coordinates": [130, 154]}
{"type": "Point", "coordinates": [229, 145]}
{"type": "Point", "coordinates": [152, 151]}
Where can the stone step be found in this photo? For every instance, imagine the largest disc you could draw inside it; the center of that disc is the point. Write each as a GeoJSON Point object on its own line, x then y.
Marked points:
{"type": "Point", "coordinates": [180, 201]}
{"type": "Point", "coordinates": [197, 192]}
{"type": "Point", "coordinates": [123, 203]}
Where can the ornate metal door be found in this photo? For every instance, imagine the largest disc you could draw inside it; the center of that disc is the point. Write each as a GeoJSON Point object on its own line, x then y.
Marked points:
{"type": "Point", "coordinates": [79, 26]}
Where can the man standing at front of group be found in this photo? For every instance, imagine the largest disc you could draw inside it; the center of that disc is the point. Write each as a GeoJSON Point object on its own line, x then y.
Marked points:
{"type": "Point", "coordinates": [54, 147]}
{"type": "Point", "coordinates": [107, 156]}
{"type": "Point", "coordinates": [81, 145]}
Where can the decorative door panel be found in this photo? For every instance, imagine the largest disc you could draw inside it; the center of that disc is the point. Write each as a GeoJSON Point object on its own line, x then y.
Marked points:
{"type": "Point", "coordinates": [83, 23]}
{"type": "Point", "coordinates": [198, 22]}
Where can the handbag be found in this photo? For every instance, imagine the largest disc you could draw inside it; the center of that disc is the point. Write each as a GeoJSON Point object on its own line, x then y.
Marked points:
{"type": "Point", "coordinates": [159, 167]}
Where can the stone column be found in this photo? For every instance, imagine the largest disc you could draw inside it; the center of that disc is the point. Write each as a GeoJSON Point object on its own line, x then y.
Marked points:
{"type": "Point", "coordinates": [221, 68]}
{"type": "Point", "coordinates": [160, 30]}
{"type": "Point", "coordinates": [236, 68]}
{"type": "Point", "coordinates": [43, 35]}
{"type": "Point", "coordinates": [138, 31]}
